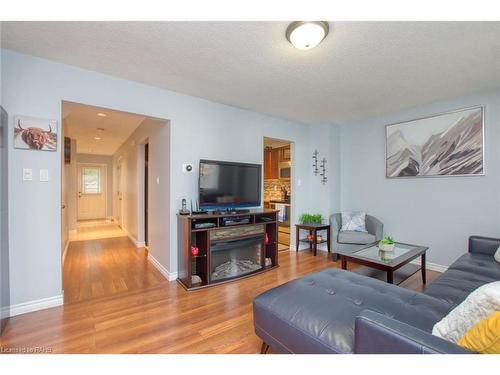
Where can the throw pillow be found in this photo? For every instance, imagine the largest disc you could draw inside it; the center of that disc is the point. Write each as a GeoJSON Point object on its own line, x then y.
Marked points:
{"type": "Point", "coordinates": [497, 255]}
{"type": "Point", "coordinates": [478, 305]}
{"type": "Point", "coordinates": [484, 337]}
{"type": "Point", "coordinates": [354, 221]}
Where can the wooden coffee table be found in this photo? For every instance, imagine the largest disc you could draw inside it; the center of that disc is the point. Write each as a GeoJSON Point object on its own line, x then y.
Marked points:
{"type": "Point", "coordinates": [393, 266]}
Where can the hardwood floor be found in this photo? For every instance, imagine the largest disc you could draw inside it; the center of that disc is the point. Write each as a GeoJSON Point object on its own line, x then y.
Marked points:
{"type": "Point", "coordinates": [104, 267]}
{"type": "Point", "coordinates": [96, 229]}
{"type": "Point", "coordinates": [118, 303]}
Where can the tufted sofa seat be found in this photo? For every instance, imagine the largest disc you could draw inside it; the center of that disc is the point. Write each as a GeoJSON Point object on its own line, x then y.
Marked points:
{"type": "Point", "coordinates": [336, 311]}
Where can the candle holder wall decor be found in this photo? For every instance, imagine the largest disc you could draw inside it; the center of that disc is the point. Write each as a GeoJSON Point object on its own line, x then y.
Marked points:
{"type": "Point", "coordinates": [324, 179]}
{"type": "Point", "coordinates": [315, 162]}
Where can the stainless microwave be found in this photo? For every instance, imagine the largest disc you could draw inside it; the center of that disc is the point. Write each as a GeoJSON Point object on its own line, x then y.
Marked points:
{"type": "Point", "coordinates": [285, 170]}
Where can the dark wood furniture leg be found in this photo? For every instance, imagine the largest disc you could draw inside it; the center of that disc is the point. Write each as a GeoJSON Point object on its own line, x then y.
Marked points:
{"type": "Point", "coordinates": [344, 263]}
{"type": "Point", "coordinates": [390, 277]}
{"type": "Point", "coordinates": [297, 235]}
{"type": "Point", "coordinates": [315, 241]}
{"type": "Point", "coordinates": [328, 239]}
{"type": "Point", "coordinates": [264, 348]}
{"type": "Point", "coordinates": [311, 246]}
{"type": "Point", "coordinates": [422, 268]}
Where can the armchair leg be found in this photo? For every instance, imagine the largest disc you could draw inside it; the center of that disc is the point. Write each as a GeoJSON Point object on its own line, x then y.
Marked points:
{"type": "Point", "coordinates": [264, 348]}
{"type": "Point", "coordinates": [335, 257]}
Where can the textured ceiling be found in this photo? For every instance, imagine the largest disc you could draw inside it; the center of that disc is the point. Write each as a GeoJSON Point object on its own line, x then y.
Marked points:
{"type": "Point", "coordinates": [81, 123]}
{"type": "Point", "coordinates": [361, 70]}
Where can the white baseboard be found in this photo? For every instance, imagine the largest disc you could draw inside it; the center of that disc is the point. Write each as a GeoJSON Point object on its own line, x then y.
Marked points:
{"type": "Point", "coordinates": [170, 276]}
{"type": "Point", "coordinates": [39, 304]}
{"type": "Point", "coordinates": [133, 239]}
{"type": "Point", "coordinates": [431, 266]}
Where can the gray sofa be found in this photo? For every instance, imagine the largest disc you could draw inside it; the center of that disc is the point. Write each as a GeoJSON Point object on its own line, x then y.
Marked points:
{"type": "Point", "coordinates": [349, 240]}
{"type": "Point", "coordinates": [336, 311]}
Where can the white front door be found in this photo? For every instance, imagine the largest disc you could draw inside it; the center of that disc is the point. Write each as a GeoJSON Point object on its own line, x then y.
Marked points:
{"type": "Point", "coordinates": [91, 192]}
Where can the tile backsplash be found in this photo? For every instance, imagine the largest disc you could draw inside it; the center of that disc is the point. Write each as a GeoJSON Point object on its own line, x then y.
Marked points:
{"type": "Point", "coordinates": [272, 189]}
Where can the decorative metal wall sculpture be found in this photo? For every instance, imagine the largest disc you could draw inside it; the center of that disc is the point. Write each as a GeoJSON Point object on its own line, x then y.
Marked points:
{"type": "Point", "coordinates": [324, 179]}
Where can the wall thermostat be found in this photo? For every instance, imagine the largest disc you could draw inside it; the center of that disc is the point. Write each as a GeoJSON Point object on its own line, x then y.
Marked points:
{"type": "Point", "coordinates": [187, 168]}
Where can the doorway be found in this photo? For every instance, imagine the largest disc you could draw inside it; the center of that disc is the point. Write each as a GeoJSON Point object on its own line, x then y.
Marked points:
{"type": "Point", "coordinates": [107, 185]}
{"type": "Point", "coordinates": [92, 190]}
{"type": "Point", "coordinates": [146, 189]}
{"type": "Point", "coordinates": [277, 185]}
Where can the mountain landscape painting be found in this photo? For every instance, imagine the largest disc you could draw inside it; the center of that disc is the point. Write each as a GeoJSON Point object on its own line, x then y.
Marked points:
{"type": "Point", "coordinates": [449, 144]}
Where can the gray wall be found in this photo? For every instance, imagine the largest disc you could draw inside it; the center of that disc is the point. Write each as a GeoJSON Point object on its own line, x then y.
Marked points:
{"type": "Point", "coordinates": [4, 238]}
{"type": "Point", "coordinates": [198, 129]}
{"type": "Point", "coordinates": [438, 212]}
{"type": "Point", "coordinates": [108, 161]}
{"type": "Point", "coordinates": [68, 196]}
{"type": "Point", "coordinates": [131, 157]}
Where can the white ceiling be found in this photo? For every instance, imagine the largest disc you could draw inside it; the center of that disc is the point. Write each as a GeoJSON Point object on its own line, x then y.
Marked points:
{"type": "Point", "coordinates": [361, 70]}
{"type": "Point", "coordinates": [81, 123]}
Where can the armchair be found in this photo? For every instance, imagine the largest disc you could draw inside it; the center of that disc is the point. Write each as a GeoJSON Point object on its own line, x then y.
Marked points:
{"type": "Point", "coordinates": [348, 240]}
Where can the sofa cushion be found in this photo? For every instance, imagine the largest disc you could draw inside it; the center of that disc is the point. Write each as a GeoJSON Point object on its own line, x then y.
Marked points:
{"type": "Point", "coordinates": [484, 337]}
{"type": "Point", "coordinates": [468, 273]}
{"type": "Point", "coordinates": [478, 305]}
{"type": "Point", "coordinates": [316, 314]}
{"type": "Point", "coordinates": [361, 238]}
{"type": "Point", "coordinates": [497, 255]}
{"type": "Point", "coordinates": [478, 263]}
{"type": "Point", "coordinates": [354, 221]}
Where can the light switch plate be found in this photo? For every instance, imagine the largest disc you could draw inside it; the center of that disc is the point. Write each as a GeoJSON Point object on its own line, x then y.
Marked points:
{"type": "Point", "coordinates": [44, 175]}
{"type": "Point", "coordinates": [27, 174]}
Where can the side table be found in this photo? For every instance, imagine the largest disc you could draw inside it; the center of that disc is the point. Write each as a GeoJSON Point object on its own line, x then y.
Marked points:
{"type": "Point", "coordinates": [313, 229]}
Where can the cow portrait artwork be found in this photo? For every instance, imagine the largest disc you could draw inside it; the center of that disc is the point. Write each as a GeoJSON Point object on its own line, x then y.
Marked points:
{"type": "Point", "coordinates": [35, 134]}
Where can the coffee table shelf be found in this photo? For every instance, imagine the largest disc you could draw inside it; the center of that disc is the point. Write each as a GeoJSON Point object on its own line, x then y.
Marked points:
{"type": "Point", "coordinates": [394, 266]}
{"type": "Point", "coordinates": [310, 241]}
{"type": "Point", "coordinates": [399, 275]}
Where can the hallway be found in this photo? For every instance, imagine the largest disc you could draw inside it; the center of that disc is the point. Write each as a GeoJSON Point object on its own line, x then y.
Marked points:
{"type": "Point", "coordinates": [103, 267]}
{"type": "Point", "coordinates": [96, 229]}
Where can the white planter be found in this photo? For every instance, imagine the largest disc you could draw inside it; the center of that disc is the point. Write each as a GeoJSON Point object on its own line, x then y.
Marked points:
{"type": "Point", "coordinates": [385, 247]}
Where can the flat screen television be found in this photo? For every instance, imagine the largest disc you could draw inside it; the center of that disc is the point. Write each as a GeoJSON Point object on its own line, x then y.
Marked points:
{"type": "Point", "coordinates": [227, 185]}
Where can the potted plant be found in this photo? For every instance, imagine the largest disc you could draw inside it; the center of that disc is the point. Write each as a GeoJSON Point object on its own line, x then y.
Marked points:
{"type": "Point", "coordinates": [387, 244]}
{"type": "Point", "coordinates": [311, 219]}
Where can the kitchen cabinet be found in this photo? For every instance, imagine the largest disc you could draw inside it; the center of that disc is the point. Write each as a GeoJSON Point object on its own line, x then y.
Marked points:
{"type": "Point", "coordinates": [285, 153]}
{"type": "Point", "coordinates": [271, 163]}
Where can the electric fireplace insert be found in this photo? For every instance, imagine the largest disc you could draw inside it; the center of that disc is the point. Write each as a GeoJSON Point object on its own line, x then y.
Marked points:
{"type": "Point", "coordinates": [231, 258]}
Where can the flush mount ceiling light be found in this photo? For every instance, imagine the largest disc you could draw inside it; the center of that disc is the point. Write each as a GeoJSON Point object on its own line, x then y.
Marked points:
{"type": "Point", "coordinates": [100, 114]}
{"type": "Point", "coordinates": [305, 35]}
